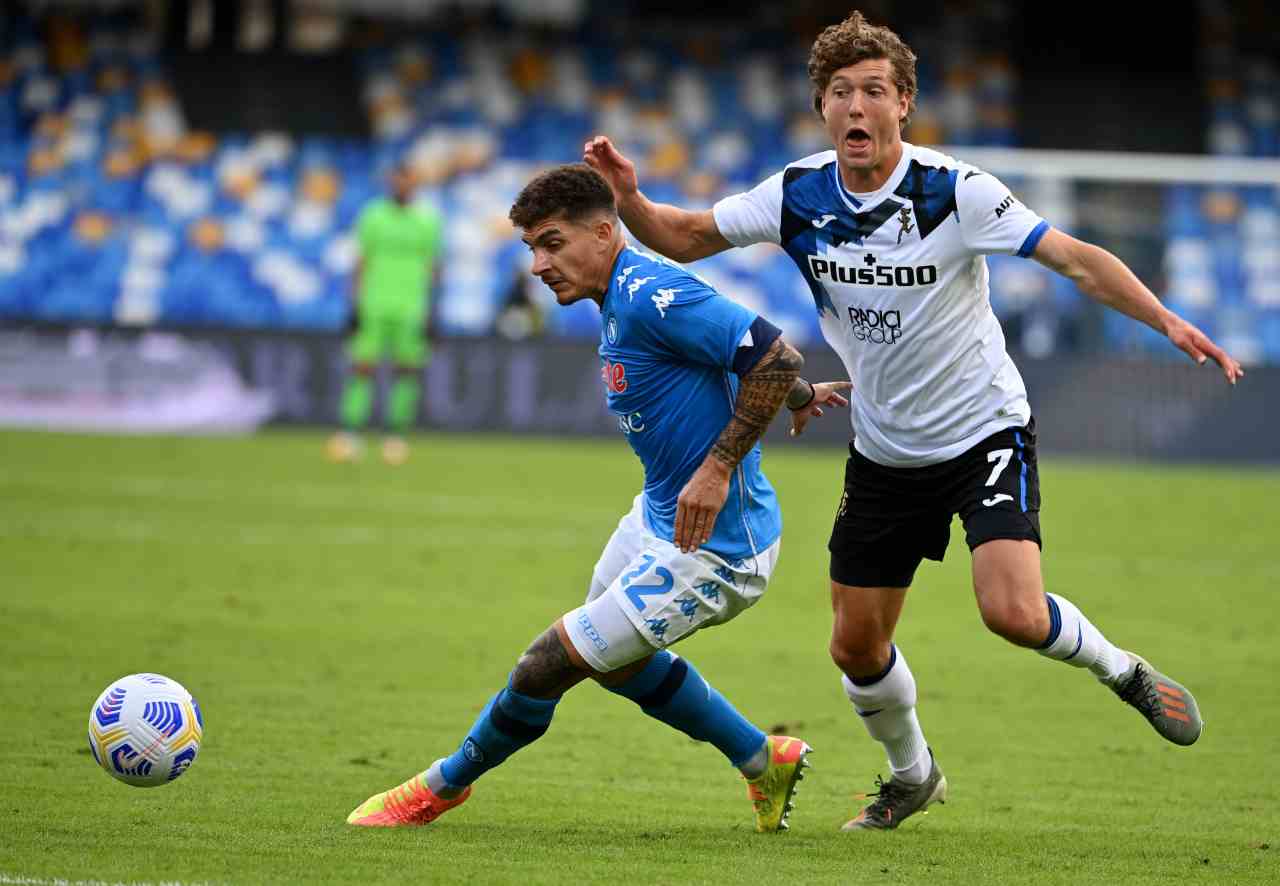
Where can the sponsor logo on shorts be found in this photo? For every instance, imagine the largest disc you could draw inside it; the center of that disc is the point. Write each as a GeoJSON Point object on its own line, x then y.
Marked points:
{"type": "Point", "coordinates": [592, 634]}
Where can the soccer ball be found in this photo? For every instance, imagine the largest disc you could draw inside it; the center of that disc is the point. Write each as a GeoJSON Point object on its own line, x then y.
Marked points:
{"type": "Point", "coordinates": [145, 730]}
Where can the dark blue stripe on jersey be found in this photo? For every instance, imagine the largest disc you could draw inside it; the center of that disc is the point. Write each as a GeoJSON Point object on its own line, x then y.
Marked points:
{"type": "Point", "coordinates": [932, 192]}
{"type": "Point", "coordinates": [668, 687]}
{"type": "Point", "coordinates": [793, 223]}
{"type": "Point", "coordinates": [1022, 461]}
{"type": "Point", "coordinates": [763, 335]}
{"type": "Point", "coordinates": [1055, 622]}
{"type": "Point", "coordinates": [809, 198]}
{"type": "Point", "coordinates": [867, 681]}
{"type": "Point", "coordinates": [865, 224]}
{"type": "Point", "coordinates": [1033, 240]}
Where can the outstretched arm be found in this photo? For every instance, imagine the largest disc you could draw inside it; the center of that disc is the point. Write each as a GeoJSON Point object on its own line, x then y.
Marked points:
{"type": "Point", "coordinates": [761, 393]}
{"type": "Point", "coordinates": [1106, 279]}
{"type": "Point", "coordinates": [807, 399]}
{"type": "Point", "coordinates": [676, 233]}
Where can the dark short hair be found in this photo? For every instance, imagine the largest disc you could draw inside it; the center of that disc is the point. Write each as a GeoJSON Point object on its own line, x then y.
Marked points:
{"type": "Point", "coordinates": [573, 191]}
{"type": "Point", "coordinates": [855, 40]}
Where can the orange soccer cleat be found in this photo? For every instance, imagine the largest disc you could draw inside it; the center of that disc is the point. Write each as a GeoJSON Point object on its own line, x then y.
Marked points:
{"type": "Point", "coordinates": [406, 805]}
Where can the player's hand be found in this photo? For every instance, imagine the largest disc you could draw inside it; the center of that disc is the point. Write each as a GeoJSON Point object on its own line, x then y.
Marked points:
{"type": "Point", "coordinates": [825, 393]}
{"type": "Point", "coordinates": [600, 154]}
{"type": "Point", "coordinates": [1199, 347]}
{"type": "Point", "coordinates": [700, 502]}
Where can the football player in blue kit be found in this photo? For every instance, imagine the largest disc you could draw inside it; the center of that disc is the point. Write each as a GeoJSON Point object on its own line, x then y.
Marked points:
{"type": "Point", "coordinates": [694, 380]}
{"type": "Point", "coordinates": [891, 239]}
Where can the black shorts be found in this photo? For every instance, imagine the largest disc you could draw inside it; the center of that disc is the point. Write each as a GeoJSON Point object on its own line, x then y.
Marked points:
{"type": "Point", "coordinates": [892, 518]}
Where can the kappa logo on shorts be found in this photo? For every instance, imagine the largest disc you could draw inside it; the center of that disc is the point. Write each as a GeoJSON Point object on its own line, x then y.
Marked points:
{"type": "Point", "coordinates": [710, 590]}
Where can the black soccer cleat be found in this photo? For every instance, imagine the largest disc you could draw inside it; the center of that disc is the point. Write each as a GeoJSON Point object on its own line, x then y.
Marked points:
{"type": "Point", "coordinates": [895, 800]}
{"type": "Point", "coordinates": [1169, 706]}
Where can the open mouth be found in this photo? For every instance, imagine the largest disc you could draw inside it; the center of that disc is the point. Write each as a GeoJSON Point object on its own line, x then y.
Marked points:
{"type": "Point", "coordinates": [857, 138]}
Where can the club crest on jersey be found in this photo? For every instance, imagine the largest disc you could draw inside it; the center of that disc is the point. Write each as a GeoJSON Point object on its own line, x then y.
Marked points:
{"type": "Point", "coordinates": [904, 222]}
{"type": "Point", "coordinates": [611, 330]}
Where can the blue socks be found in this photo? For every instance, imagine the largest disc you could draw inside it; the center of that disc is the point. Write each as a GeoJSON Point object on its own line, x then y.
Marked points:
{"type": "Point", "coordinates": [668, 689]}
{"type": "Point", "coordinates": [508, 722]}
{"type": "Point", "coordinates": [671, 690]}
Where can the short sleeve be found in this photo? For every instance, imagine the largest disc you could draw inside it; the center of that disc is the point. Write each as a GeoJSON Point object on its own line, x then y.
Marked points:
{"type": "Point", "coordinates": [754, 216]}
{"type": "Point", "coordinates": [691, 321]}
{"type": "Point", "coordinates": [992, 220]}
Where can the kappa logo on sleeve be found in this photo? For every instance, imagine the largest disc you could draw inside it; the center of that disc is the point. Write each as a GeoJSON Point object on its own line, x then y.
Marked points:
{"type": "Point", "coordinates": [634, 286]}
{"type": "Point", "coordinates": [663, 300]}
{"type": "Point", "coordinates": [626, 272]}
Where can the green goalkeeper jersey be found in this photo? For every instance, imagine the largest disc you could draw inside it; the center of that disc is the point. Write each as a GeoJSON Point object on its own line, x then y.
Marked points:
{"type": "Point", "coordinates": [399, 246]}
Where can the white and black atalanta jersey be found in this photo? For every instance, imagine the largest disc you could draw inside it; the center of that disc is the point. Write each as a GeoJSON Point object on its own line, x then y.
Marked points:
{"type": "Point", "coordinates": [901, 287]}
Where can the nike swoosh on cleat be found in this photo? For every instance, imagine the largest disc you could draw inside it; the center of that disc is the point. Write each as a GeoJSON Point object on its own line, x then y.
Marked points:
{"type": "Point", "coordinates": [870, 713]}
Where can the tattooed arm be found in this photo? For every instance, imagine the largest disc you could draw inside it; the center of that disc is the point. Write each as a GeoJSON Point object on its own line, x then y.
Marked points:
{"type": "Point", "coordinates": [761, 393]}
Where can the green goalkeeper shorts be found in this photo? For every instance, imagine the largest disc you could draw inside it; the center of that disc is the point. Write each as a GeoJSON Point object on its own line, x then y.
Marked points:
{"type": "Point", "coordinates": [398, 338]}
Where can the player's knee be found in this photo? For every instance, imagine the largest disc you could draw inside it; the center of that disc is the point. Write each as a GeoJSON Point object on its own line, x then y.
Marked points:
{"type": "Point", "coordinates": [858, 657]}
{"type": "Point", "coordinates": [1017, 618]}
{"type": "Point", "coordinates": [545, 669]}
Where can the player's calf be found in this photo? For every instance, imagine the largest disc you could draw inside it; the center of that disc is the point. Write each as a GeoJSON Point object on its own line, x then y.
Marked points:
{"type": "Point", "coordinates": [547, 668]}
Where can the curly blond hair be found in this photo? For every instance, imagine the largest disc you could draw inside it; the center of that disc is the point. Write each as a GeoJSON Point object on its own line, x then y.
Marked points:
{"type": "Point", "coordinates": [855, 40]}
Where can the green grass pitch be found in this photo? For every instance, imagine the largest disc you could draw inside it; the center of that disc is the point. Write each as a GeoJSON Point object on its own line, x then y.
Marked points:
{"type": "Point", "coordinates": [342, 625]}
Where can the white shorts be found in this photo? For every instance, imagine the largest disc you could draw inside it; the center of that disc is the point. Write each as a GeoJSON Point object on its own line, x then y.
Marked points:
{"type": "Point", "coordinates": [646, 594]}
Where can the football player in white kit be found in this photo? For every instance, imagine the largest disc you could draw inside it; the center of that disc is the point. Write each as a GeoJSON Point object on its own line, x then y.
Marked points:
{"type": "Point", "coordinates": [891, 238]}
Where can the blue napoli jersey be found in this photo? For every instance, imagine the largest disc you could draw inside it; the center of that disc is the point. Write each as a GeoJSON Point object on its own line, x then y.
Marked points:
{"type": "Point", "coordinates": [668, 348]}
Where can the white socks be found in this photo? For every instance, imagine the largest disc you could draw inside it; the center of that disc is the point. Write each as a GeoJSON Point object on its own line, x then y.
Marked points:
{"type": "Point", "coordinates": [887, 706]}
{"type": "Point", "coordinates": [1073, 639]}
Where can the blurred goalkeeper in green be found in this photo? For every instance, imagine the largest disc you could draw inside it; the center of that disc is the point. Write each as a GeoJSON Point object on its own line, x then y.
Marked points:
{"type": "Point", "coordinates": [400, 242]}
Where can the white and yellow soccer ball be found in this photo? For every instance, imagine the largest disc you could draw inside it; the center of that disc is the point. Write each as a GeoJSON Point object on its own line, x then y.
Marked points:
{"type": "Point", "coordinates": [145, 730]}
